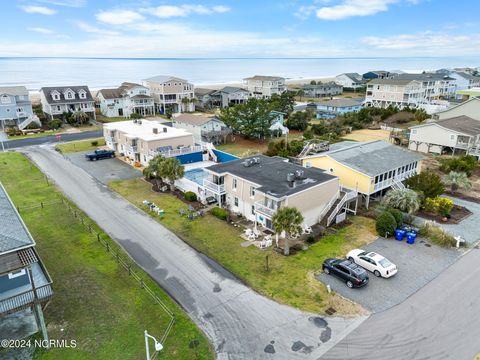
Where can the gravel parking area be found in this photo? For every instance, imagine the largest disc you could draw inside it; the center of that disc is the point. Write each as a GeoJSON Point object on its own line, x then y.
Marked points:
{"type": "Point", "coordinates": [417, 265]}
{"type": "Point", "coordinates": [104, 170]}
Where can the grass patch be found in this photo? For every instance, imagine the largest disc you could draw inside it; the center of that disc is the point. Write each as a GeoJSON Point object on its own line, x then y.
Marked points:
{"type": "Point", "coordinates": [103, 119]}
{"type": "Point", "coordinates": [82, 145]}
{"type": "Point", "coordinates": [55, 132]}
{"type": "Point", "coordinates": [95, 301]}
{"type": "Point", "coordinates": [290, 280]}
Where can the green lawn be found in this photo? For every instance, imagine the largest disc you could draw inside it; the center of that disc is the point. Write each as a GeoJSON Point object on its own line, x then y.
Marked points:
{"type": "Point", "coordinates": [103, 119]}
{"type": "Point", "coordinates": [54, 132]}
{"type": "Point", "coordinates": [290, 280]}
{"type": "Point", "coordinates": [95, 301]}
{"type": "Point", "coordinates": [82, 145]}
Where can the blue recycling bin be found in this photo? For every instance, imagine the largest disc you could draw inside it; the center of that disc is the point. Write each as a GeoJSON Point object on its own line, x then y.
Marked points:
{"type": "Point", "coordinates": [399, 234]}
{"type": "Point", "coordinates": [411, 236]}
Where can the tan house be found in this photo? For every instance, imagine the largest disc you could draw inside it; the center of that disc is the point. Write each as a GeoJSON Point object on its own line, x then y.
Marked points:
{"type": "Point", "coordinates": [141, 140]}
{"type": "Point", "coordinates": [470, 108]}
{"type": "Point", "coordinates": [393, 92]}
{"type": "Point", "coordinates": [263, 87]}
{"type": "Point", "coordinates": [257, 186]}
{"type": "Point", "coordinates": [204, 128]}
{"type": "Point", "coordinates": [460, 134]}
{"type": "Point", "coordinates": [171, 93]}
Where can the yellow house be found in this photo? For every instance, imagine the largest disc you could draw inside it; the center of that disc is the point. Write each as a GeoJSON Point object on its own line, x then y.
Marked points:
{"type": "Point", "coordinates": [370, 168]}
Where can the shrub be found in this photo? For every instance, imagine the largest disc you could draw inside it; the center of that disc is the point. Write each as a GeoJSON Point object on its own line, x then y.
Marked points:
{"type": "Point", "coordinates": [437, 235]}
{"type": "Point", "coordinates": [190, 196]}
{"type": "Point", "coordinates": [220, 213]}
{"type": "Point", "coordinates": [310, 239]}
{"type": "Point", "coordinates": [405, 200]}
{"type": "Point", "coordinates": [429, 183]}
{"type": "Point", "coordinates": [94, 143]}
{"type": "Point", "coordinates": [398, 215]}
{"type": "Point", "coordinates": [464, 163]}
{"type": "Point", "coordinates": [439, 205]}
{"type": "Point", "coordinates": [55, 124]}
{"type": "Point", "coordinates": [135, 116]}
{"type": "Point", "coordinates": [386, 224]}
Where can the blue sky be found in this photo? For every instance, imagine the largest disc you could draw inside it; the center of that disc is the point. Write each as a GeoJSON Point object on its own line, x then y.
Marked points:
{"type": "Point", "coordinates": [240, 28]}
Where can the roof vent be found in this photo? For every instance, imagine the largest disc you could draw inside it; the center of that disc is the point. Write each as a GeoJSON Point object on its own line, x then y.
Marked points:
{"type": "Point", "coordinates": [299, 174]}
{"type": "Point", "coordinates": [291, 179]}
{"type": "Point", "coordinates": [155, 130]}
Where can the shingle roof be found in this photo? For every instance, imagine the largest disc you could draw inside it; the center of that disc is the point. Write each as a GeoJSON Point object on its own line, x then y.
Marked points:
{"type": "Point", "coordinates": [264, 78]}
{"type": "Point", "coordinates": [468, 76]}
{"type": "Point", "coordinates": [111, 93]}
{"type": "Point", "coordinates": [203, 91]}
{"type": "Point", "coordinates": [164, 78]}
{"type": "Point", "coordinates": [13, 233]}
{"type": "Point", "coordinates": [14, 90]}
{"type": "Point", "coordinates": [341, 102]}
{"type": "Point", "coordinates": [353, 76]}
{"type": "Point", "coordinates": [193, 119]}
{"type": "Point", "coordinates": [120, 91]}
{"type": "Point", "coordinates": [391, 81]}
{"type": "Point", "coordinates": [61, 89]}
{"type": "Point", "coordinates": [232, 89]}
{"type": "Point", "coordinates": [271, 174]}
{"type": "Point", "coordinates": [462, 124]}
{"type": "Point", "coordinates": [423, 77]}
{"type": "Point", "coordinates": [374, 157]}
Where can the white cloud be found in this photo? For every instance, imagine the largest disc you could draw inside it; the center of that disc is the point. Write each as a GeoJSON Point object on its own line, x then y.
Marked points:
{"type": "Point", "coordinates": [427, 43]}
{"type": "Point", "coordinates": [41, 30]}
{"type": "Point", "coordinates": [351, 8]}
{"type": "Point", "coordinates": [32, 9]}
{"type": "Point", "coordinates": [68, 3]}
{"type": "Point", "coordinates": [168, 11]}
{"type": "Point", "coordinates": [94, 29]}
{"type": "Point", "coordinates": [118, 17]}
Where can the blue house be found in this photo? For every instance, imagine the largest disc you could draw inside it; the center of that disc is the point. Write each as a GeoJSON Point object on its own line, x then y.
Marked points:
{"type": "Point", "coordinates": [332, 108]}
{"type": "Point", "coordinates": [15, 107]}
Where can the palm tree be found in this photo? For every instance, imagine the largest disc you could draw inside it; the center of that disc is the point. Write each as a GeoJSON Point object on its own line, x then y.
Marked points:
{"type": "Point", "coordinates": [420, 115]}
{"type": "Point", "coordinates": [80, 117]}
{"type": "Point", "coordinates": [288, 220]}
{"type": "Point", "coordinates": [457, 180]}
{"type": "Point", "coordinates": [152, 171]}
{"type": "Point", "coordinates": [185, 102]}
{"type": "Point", "coordinates": [300, 93]}
{"type": "Point", "coordinates": [405, 200]}
{"type": "Point", "coordinates": [171, 169]}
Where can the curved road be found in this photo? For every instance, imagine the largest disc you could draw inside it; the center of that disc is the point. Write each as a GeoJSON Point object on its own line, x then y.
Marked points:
{"type": "Point", "coordinates": [240, 323]}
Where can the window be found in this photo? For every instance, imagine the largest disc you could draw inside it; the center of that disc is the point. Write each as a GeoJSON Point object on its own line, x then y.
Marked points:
{"type": "Point", "coordinates": [414, 131]}
{"type": "Point", "coordinates": [452, 137]}
{"type": "Point", "coordinates": [69, 95]}
{"type": "Point", "coordinates": [252, 191]}
{"type": "Point", "coordinates": [17, 273]}
{"type": "Point", "coordinates": [5, 99]}
{"type": "Point", "coordinates": [253, 209]}
{"type": "Point", "coordinates": [235, 201]}
{"type": "Point", "coordinates": [234, 184]}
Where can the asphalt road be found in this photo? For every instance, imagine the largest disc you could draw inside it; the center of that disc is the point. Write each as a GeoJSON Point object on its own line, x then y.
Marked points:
{"type": "Point", "coordinates": [440, 321]}
{"type": "Point", "coordinates": [14, 144]}
{"type": "Point", "coordinates": [240, 323]}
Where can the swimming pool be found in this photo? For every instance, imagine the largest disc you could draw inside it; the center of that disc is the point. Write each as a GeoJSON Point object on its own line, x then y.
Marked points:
{"type": "Point", "coordinates": [196, 175]}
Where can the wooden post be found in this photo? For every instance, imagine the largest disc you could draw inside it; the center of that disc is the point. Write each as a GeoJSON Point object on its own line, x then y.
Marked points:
{"type": "Point", "coordinates": [41, 204]}
{"type": "Point", "coordinates": [108, 247]}
{"type": "Point", "coordinates": [37, 309]}
{"type": "Point", "coordinates": [98, 237]}
{"type": "Point", "coordinates": [266, 262]}
{"type": "Point", "coordinates": [129, 269]}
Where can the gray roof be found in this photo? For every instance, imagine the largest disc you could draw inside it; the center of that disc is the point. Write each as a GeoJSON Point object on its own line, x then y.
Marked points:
{"type": "Point", "coordinates": [271, 174]}
{"type": "Point", "coordinates": [423, 77]}
{"type": "Point", "coordinates": [264, 78]}
{"type": "Point", "coordinates": [203, 91]}
{"type": "Point", "coordinates": [232, 89]}
{"type": "Point", "coordinates": [195, 119]}
{"type": "Point", "coordinates": [61, 89]}
{"type": "Point", "coordinates": [353, 76]}
{"type": "Point", "coordinates": [121, 90]}
{"type": "Point", "coordinates": [374, 157]}
{"type": "Point", "coordinates": [14, 90]}
{"type": "Point", "coordinates": [341, 102]}
{"type": "Point", "coordinates": [468, 76]}
{"type": "Point", "coordinates": [13, 233]}
{"type": "Point", "coordinates": [392, 81]}
{"type": "Point", "coordinates": [164, 78]}
{"type": "Point", "coordinates": [462, 124]}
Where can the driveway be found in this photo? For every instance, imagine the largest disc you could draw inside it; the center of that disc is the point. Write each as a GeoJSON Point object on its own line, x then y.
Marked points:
{"type": "Point", "coordinates": [418, 264]}
{"type": "Point", "coordinates": [240, 323]}
{"type": "Point", "coordinates": [104, 170]}
{"type": "Point", "coordinates": [468, 228]}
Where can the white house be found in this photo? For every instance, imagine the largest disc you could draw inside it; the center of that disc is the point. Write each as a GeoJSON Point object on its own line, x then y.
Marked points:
{"type": "Point", "coordinates": [204, 128]}
{"type": "Point", "coordinates": [464, 81]}
{"type": "Point", "coordinates": [263, 87]}
{"type": "Point", "coordinates": [171, 93]}
{"type": "Point", "coordinates": [470, 108]}
{"type": "Point", "coordinates": [63, 99]}
{"type": "Point", "coordinates": [352, 81]}
{"type": "Point", "coordinates": [229, 95]}
{"type": "Point", "coordinates": [460, 134]}
{"type": "Point", "coordinates": [126, 100]}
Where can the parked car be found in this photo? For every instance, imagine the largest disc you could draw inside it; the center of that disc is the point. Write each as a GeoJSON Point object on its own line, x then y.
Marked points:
{"type": "Point", "coordinates": [376, 263]}
{"type": "Point", "coordinates": [100, 154]}
{"type": "Point", "coordinates": [354, 275]}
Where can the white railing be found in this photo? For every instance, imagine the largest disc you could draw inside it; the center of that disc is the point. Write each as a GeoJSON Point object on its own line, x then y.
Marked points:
{"type": "Point", "coordinates": [388, 182]}
{"type": "Point", "coordinates": [131, 148]}
{"type": "Point", "coordinates": [462, 145]}
{"type": "Point", "coordinates": [259, 207]}
{"type": "Point", "coordinates": [176, 152]}
{"type": "Point", "coordinates": [216, 188]}
{"type": "Point", "coordinates": [397, 184]}
{"type": "Point", "coordinates": [28, 121]}
{"type": "Point", "coordinates": [474, 150]}
{"type": "Point", "coordinates": [110, 139]}
{"type": "Point", "coordinates": [328, 206]}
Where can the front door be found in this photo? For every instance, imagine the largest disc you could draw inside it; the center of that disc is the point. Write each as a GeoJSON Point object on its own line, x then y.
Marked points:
{"type": "Point", "coordinates": [268, 224]}
{"type": "Point", "coordinates": [120, 112]}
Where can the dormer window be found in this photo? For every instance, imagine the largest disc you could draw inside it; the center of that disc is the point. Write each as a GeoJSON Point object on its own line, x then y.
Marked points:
{"type": "Point", "coordinates": [82, 94]}
{"type": "Point", "coordinates": [5, 99]}
{"type": "Point", "coordinates": [69, 94]}
{"type": "Point", "coordinates": [55, 95]}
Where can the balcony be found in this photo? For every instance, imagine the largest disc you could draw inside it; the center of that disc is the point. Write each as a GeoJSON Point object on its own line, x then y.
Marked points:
{"type": "Point", "coordinates": [131, 148]}
{"type": "Point", "coordinates": [388, 182]}
{"type": "Point", "coordinates": [110, 139]}
{"type": "Point", "coordinates": [25, 299]}
{"type": "Point", "coordinates": [216, 188]}
{"type": "Point", "coordinates": [261, 208]}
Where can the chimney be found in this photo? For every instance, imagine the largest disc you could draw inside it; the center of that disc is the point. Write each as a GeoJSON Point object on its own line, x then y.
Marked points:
{"type": "Point", "coordinates": [155, 130]}
{"type": "Point", "coordinates": [291, 179]}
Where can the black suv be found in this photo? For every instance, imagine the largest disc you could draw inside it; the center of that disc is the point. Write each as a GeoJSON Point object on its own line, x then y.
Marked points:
{"type": "Point", "coordinates": [353, 274]}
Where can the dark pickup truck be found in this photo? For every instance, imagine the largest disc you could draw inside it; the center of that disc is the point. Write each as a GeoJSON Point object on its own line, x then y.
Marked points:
{"type": "Point", "coordinates": [100, 154]}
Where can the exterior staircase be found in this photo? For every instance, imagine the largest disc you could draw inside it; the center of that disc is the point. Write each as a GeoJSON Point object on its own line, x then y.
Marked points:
{"type": "Point", "coordinates": [397, 184]}
{"type": "Point", "coordinates": [335, 207]}
{"type": "Point", "coordinates": [210, 148]}
{"type": "Point", "coordinates": [28, 121]}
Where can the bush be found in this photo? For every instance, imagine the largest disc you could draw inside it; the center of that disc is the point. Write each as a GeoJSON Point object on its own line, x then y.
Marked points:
{"type": "Point", "coordinates": [386, 224]}
{"type": "Point", "coordinates": [427, 182]}
{"type": "Point", "coordinates": [135, 116]}
{"type": "Point", "coordinates": [55, 124]}
{"type": "Point", "coordinates": [464, 163]}
{"type": "Point", "coordinates": [438, 205]}
{"type": "Point", "coordinates": [310, 239]}
{"type": "Point", "coordinates": [220, 213]}
{"type": "Point", "coordinates": [398, 215]}
{"type": "Point", "coordinates": [190, 196]}
{"type": "Point", "coordinates": [94, 143]}
{"type": "Point", "coordinates": [437, 235]}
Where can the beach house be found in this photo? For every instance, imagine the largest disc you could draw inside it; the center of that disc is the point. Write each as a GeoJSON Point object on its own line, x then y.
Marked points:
{"type": "Point", "coordinates": [332, 108]}
{"type": "Point", "coordinates": [377, 74]}
{"type": "Point", "coordinates": [263, 87]}
{"type": "Point", "coordinates": [370, 168]}
{"type": "Point", "coordinates": [320, 90]}
{"type": "Point", "coordinates": [464, 81]}
{"type": "Point", "coordinates": [204, 100]}
{"type": "Point", "coordinates": [126, 100]}
{"type": "Point", "coordinates": [257, 186]}
{"type": "Point", "coordinates": [230, 95]}
{"type": "Point", "coordinates": [141, 140]}
{"type": "Point", "coordinates": [67, 99]}
{"type": "Point", "coordinates": [171, 93]}
{"type": "Point", "coordinates": [470, 108]}
{"type": "Point", "coordinates": [350, 81]}
{"type": "Point", "coordinates": [16, 107]}
{"type": "Point", "coordinates": [25, 285]}
{"type": "Point", "coordinates": [456, 135]}
{"type": "Point", "coordinates": [204, 128]}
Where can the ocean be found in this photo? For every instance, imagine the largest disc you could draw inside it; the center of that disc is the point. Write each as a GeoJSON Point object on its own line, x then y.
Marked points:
{"type": "Point", "coordinates": [35, 73]}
